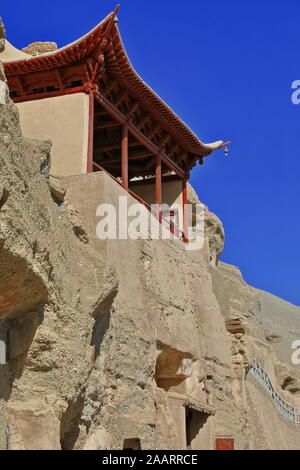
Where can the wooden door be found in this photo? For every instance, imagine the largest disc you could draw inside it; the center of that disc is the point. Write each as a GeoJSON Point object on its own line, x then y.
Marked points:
{"type": "Point", "coordinates": [224, 444]}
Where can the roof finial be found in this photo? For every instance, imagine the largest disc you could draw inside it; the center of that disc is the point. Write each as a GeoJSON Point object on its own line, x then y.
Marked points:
{"type": "Point", "coordinates": [112, 21]}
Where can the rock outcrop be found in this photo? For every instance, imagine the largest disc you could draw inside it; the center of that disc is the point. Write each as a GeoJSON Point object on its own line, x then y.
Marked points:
{"type": "Point", "coordinates": [2, 36]}
{"type": "Point", "coordinates": [213, 228]}
{"type": "Point", "coordinates": [244, 310]}
{"type": "Point", "coordinates": [38, 48]}
{"type": "Point", "coordinates": [281, 323]}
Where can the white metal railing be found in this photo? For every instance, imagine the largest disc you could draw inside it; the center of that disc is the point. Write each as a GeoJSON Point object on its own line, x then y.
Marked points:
{"type": "Point", "coordinates": [287, 411]}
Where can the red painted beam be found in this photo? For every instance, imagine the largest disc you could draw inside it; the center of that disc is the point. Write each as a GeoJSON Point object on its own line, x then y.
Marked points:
{"type": "Point", "coordinates": [125, 179]}
{"type": "Point", "coordinates": [158, 185]}
{"type": "Point", "coordinates": [107, 125]}
{"type": "Point", "coordinates": [51, 94]}
{"type": "Point", "coordinates": [138, 198]}
{"type": "Point", "coordinates": [184, 209]}
{"type": "Point", "coordinates": [119, 116]}
{"type": "Point", "coordinates": [95, 165]}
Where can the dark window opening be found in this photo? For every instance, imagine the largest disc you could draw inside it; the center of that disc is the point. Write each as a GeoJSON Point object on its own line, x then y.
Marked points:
{"type": "Point", "coordinates": [76, 84]}
{"type": "Point", "coordinates": [132, 444]}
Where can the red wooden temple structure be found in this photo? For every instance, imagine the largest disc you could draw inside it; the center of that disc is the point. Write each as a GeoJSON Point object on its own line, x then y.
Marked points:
{"type": "Point", "coordinates": [131, 133]}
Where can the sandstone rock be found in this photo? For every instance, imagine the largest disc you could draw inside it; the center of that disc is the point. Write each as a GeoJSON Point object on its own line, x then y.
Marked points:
{"type": "Point", "coordinates": [291, 384]}
{"type": "Point", "coordinates": [38, 48]}
{"type": "Point", "coordinates": [236, 298]}
{"type": "Point", "coordinates": [21, 333]}
{"type": "Point", "coordinates": [192, 195]}
{"type": "Point", "coordinates": [2, 36]}
{"type": "Point", "coordinates": [272, 336]}
{"type": "Point", "coordinates": [4, 92]}
{"type": "Point", "coordinates": [71, 214]}
{"type": "Point", "coordinates": [57, 190]}
{"type": "Point", "coordinates": [213, 228]}
{"type": "Point", "coordinates": [4, 194]}
{"type": "Point", "coordinates": [234, 326]}
{"type": "Point", "coordinates": [215, 232]}
{"type": "Point", "coordinates": [32, 426]}
{"type": "Point", "coordinates": [98, 440]}
{"type": "Point", "coordinates": [283, 319]}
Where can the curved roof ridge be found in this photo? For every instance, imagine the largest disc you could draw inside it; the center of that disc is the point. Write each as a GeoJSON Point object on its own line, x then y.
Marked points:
{"type": "Point", "coordinates": [206, 149]}
{"type": "Point", "coordinates": [64, 48]}
{"type": "Point", "coordinates": [119, 67]}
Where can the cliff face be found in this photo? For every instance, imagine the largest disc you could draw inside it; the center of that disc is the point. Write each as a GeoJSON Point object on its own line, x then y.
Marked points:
{"type": "Point", "coordinates": [119, 343]}
{"type": "Point", "coordinates": [52, 288]}
{"type": "Point", "coordinates": [255, 321]}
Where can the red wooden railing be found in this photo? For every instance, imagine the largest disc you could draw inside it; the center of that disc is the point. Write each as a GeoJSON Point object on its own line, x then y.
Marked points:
{"type": "Point", "coordinates": [172, 227]}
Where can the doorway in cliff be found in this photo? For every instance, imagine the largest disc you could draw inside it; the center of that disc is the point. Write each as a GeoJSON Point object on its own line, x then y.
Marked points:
{"type": "Point", "coordinates": [197, 430]}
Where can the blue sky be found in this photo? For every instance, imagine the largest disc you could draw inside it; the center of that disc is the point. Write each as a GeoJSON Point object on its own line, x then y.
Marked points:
{"type": "Point", "coordinates": [226, 67]}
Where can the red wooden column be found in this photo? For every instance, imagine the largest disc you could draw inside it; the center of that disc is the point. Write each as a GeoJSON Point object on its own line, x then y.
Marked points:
{"type": "Point", "coordinates": [185, 210]}
{"type": "Point", "coordinates": [90, 156]}
{"type": "Point", "coordinates": [158, 185]}
{"type": "Point", "coordinates": [125, 180]}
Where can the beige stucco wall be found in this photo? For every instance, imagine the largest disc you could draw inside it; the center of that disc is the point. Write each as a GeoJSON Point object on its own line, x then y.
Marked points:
{"type": "Point", "coordinates": [63, 120]}
{"type": "Point", "coordinates": [178, 414]}
{"type": "Point", "coordinates": [171, 195]}
{"type": "Point", "coordinates": [11, 53]}
{"type": "Point", "coordinates": [171, 192]}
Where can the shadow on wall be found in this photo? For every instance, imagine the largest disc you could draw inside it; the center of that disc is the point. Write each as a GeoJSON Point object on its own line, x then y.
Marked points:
{"type": "Point", "coordinates": [102, 322]}
{"type": "Point", "coordinates": [100, 328]}
{"type": "Point", "coordinates": [173, 367]}
{"type": "Point", "coordinates": [16, 337]}
{"type": "Point", "coordinates": [72, 421]}
{"type": "Point", "coordinates": [21, 290]}
{"type": "Point", "coordinates": [195, 422]}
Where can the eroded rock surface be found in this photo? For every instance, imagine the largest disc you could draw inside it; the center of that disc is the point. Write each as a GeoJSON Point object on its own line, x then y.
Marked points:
{"type": "Point", "coordinates": [244, 310]}
{"type": "Point", "coordinates": [213, 228]}
{"type": "Point", "coordinates": [52, 288]}
{"type": "Point", "coordinates": [38, 48]}
{"type": "Point", "coordinates": [2, 36]}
